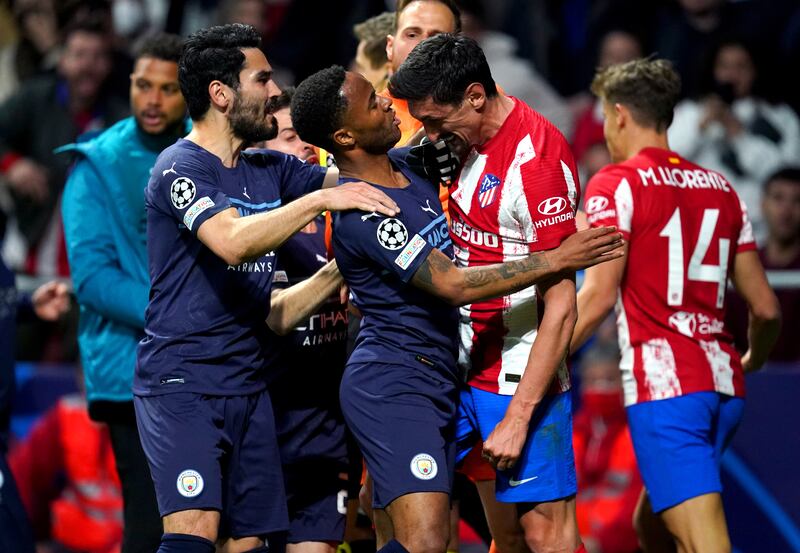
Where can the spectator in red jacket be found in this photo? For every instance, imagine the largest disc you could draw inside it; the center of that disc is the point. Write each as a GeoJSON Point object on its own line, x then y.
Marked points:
{"type": "Point", "coordinates": [608, 479]}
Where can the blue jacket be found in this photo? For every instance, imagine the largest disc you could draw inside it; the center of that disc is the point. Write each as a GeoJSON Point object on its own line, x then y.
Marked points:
{"type": "Point", "coordinates": [105, 231]}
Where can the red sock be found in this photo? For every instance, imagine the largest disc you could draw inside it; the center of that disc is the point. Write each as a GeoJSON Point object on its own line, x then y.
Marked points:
{"type": "Point", "coordinates": [581, 549]}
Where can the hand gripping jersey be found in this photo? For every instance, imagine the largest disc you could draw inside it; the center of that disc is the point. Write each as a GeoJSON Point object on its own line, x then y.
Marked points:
{"type": "Point", "coordinates": [516, 194]}
{"type": "Point", "coordinates": [684, 225]}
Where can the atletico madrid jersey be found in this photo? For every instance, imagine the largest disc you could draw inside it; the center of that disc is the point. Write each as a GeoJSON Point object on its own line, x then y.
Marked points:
{"type": "Point", "coordinates": [516, 194]}
{"type": "Point", "coordinates": [684, 224]}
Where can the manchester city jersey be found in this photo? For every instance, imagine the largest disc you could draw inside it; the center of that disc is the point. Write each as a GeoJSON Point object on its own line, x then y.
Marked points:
{"type": "Point", "coordinates": [205, 325]}
{"type": "Point", "coordinates": [378, 257]}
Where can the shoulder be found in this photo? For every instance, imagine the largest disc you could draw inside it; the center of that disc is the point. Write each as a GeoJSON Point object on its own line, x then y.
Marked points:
{"type": "Point", "coordinates": [609, 178]}
{"type": "Point", "coordinates": [264, 158]}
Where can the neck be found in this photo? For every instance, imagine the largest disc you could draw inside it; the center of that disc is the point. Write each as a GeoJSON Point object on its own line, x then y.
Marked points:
{"type": "Point", "coordinates": [641, 138]}
{"type": "Point", "coordinates": [495, 113]}
{"type": "Point", "coordinates": [214, 133]}
{"type": "Point", "coordinates": [374, 168]}
{"type": "Point", "coordinates": [781, 253]}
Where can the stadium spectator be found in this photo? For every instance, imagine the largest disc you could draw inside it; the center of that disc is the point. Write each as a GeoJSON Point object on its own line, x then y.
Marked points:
{"type": "Point", "coordinates": [730, 128]}
{"type": "Point", "coordinates": [108, 263]}
{"type": "Point", "coordinates": [48, 302]}
{"type": "Point", "coordinates": [214, 219]}
{"type": "Point", "coordinates": [517, 75]}
{"type": "Point", "coordinates": [400, 387]}
{"type": "Point", "coordinates": [588, 143]}
{"type": "Point", "coordinates": [43, 114]}
{"type": "Point", "coordinates": [781, 252]}
{"type": "Point", "coordinates": [609, 484]}
{"type": "Point", "coordinates": [308, 419]}
{"type": "Point", "coordinates": [682, 378]}
{"type": "Point", "coordinates": [516, 193]}
{"type": "Point", "coordinates": [371, 60]}
{"type": "Point", "coordinates": [65, 472]}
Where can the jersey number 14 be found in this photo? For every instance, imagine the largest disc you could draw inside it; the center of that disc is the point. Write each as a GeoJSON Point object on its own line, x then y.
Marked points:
{"type": "Point", "coordinates": [697, 270]}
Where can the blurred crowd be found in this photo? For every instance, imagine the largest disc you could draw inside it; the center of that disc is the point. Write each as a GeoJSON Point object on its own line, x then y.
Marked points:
{"type": "Point", "coordinates": [64, 76]}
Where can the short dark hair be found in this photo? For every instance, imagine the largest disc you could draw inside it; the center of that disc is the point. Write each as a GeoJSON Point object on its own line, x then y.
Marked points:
{"type": "Point", "coordinates": [90, 23]}
{"type": "Point", "coordinates": [649, 88]}
{"type": "Point", "coordinates": [373, 33]}
{"type": "Point", "coordinates": [161, 46]}
{"type": "Point", "coordinates": [318, 107]}
{"type": "Point", "coordinates": [441, 68]}
{"type": "Point", "coordinates": [213, 54]}
{"type": "Point", "coordinates": [791, 173]}
{"type": "Point", "coordinates": [450, 4]}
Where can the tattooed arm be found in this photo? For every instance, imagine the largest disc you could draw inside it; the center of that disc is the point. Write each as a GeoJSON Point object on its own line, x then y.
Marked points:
{"type": "Point", "coordinates": [459, 286]}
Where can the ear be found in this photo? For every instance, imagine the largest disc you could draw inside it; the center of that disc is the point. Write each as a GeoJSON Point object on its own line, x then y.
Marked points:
{"type": "Point", "coordinates": [476, 96]}
{"type": "Point", "coordinates": [344, 138]}
{"type": "Point", "coordinates": [621, 115]}
{"type": "Point", "coordinates": [389, 46]}
{"type": "Point", "coordinates": [220, 94]}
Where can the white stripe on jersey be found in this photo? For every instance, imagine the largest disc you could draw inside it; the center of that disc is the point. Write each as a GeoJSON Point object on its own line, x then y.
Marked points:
{"type": "Point", "coordinates": [468, 180]}
{"type": "Point", "coordinates": [623, 197]}
{"type": "Point", "coordinates": [572, 190]}
{"type": "Point", "coordinates": [626, 353]}
{"type": "Point", "coordinates": [466, 335]}
{"type": "Point", "coordinates": [660, 370]}
{"type": "Point", "coordinates": [746, 234]}
{"type": "Point", "coordinates": [721, 369]}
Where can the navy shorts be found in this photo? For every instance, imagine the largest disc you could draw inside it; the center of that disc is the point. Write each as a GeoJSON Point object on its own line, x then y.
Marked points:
{"type": "Point", "coordinates": [546, 469]}
{"type": "Point", "coordinates": [317, 498]}
{"type": "Point", "coordinates": [218, 453]}
{"type": "Point", "coordinates": [679, 444]}
{"type": "Point", "coordinates": [403, 420]}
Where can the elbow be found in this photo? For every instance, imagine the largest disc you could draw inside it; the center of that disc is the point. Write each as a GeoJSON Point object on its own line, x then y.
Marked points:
{"type": "Point", "coordinates": [768, 311]}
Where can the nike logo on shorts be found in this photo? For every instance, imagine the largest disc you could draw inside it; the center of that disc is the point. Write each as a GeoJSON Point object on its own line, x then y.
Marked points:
{"type": "Point", "coordinates": [514, 483]}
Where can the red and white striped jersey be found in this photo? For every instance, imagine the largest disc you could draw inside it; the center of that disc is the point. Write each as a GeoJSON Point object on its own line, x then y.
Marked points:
{"type": "Point", "coordinates": [684, 224]}
{"type": "Point", "coordinates": [516, 194]}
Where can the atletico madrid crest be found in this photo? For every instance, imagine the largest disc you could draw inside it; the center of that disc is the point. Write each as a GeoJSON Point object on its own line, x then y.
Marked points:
{"type": "Point", "coordinates": [488, 189]}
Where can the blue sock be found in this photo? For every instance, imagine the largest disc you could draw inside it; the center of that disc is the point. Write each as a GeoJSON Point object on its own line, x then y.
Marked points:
{"type": "Point", "coordinates": [185, 543]}
{"type": "Point", "coordinates": [393, 546]}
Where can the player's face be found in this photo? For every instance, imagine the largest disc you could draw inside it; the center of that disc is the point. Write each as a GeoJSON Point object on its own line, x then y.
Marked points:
{"type": "Point", "coordinates": [781, 208]}
{"type": "Point", "coordinates": [420, 20]}
{"type": "Point", "coordinates": [288, 141]}
{"type": "Point", "coordinates": [250, 113]}
{"type": "Point", "coordinates": [612, 132]}
{"type": "Point", "coordinates": [369, 118]}
{"type": "Point", "coordinates": [156, 99]}
{"type": "Point", "coordinates": [459, 125]}
{"type": "Point", "coordinates": [735, 67]}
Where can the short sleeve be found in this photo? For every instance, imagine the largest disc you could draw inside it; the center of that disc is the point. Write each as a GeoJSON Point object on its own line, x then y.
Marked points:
{"type": "Point", "coordinates": [296, 177]}
{"type": "Point", "coordinates": [186, 190]}
{"type": "Point", "coordinates": [746, 241]}
{"type": "Point", "coordinates": [551, 195]}
{"type": "Point", "coordinates": [386, 242]}
{"type": "Point", "coordinates": [609, 202]}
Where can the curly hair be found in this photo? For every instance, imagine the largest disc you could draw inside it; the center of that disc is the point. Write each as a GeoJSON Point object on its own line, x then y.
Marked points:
{"type": "Point", "coordinates": [649, 88]}
{"type": "Point", "coordinates": [213, 54]}
{"type": "Point", "coordinates": [318, 107]}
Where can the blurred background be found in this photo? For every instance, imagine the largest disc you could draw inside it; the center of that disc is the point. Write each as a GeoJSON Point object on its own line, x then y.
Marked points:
{"type": "Point", "coordinates": [740, 65]}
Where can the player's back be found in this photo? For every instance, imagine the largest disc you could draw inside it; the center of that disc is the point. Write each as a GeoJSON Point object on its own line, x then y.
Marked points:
{"type": "Point", "coordinates": [684, 225]}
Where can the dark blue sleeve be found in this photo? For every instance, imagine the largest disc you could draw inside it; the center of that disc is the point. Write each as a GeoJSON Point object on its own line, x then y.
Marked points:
{"type": "Point", "coordinates": [185, 188]}
{"type": "Point", "coordinates": [385, 241]}
{"type": "Point", "coordinates": [296, 177]}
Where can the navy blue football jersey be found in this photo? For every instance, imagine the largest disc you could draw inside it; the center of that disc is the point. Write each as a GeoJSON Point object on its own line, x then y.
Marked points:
{"type": "Point", "coordinates": [378, 256]}
{"type": "Point", "coordinates": [205, 325]}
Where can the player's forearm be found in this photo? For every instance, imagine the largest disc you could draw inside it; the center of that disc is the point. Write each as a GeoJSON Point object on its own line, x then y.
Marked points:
{"type": "Point", "coordinates": [762, 333]}
{"type": "Point", "coordinates": [293, 305]}
{"type": "Point", "coordinates": [500, 279]}
{"type": "Point", "coordinates": [592, 309]}
{"type": "Point", "coordinates": [547, 354]}
{"type": "Point", "coordinates": [255, 235]}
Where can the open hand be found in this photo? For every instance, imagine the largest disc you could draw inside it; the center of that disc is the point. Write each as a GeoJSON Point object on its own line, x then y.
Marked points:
{"type": "Point", "coordinates": [359, 195]}
{"type": "Point", "coordinates": [589, 247]}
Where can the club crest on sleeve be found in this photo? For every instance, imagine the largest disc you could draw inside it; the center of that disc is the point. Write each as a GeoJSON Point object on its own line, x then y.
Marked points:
{"type": "Point", "coordinates": [423, 466]}
{"type": "Point", "coordinates": [488, 189]}
{"type": "Point", "coordinates": [190, 483]}
{"type": "Point", "coordinates": [182, 192]}
{"type": "Point", "coordinates": [392, 234]}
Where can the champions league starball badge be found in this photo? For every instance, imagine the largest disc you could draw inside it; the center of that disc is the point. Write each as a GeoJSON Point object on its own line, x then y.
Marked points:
{"type": "Point", "coordinates": [392, 234]}
{"type": "Point", "coordinates": [182, 192]}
